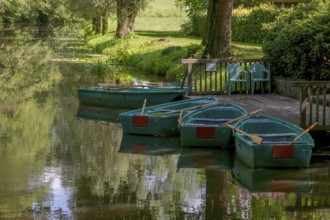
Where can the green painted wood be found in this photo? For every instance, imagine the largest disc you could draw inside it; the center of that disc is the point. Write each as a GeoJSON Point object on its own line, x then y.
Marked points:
{"type": "Point", "coordinates": [207, 82]}
{"type": "Point", "coordinates": [196, 126]}
{"type": "Point", "coordinates": [128, 98]}
{"type": "Point", "coordinates": [276, 133]}
{"type": "Point", "coordinates": [163, 118]}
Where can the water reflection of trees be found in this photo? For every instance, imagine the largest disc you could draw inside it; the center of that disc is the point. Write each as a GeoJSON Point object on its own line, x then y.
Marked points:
{"type": "Point", "coordinates": [27, 71]}
{"type": "Point", "coordinates": [25, 121]}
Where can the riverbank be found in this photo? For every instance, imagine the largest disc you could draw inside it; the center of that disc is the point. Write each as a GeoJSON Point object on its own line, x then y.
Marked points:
{"type": "Point", "coordinates": [157, 45]}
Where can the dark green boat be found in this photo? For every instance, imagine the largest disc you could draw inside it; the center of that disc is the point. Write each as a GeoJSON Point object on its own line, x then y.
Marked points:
{"type": "Point", "coordinates": [206, 126]}
{"type": "Point", "coordinates": [271, 180]}
{"type": "Point", "coordinates": [161, 120]}
{"type": "Point", "coordinates": [275, 149]}
{"type": "Point", "coordinates": [127, 97]}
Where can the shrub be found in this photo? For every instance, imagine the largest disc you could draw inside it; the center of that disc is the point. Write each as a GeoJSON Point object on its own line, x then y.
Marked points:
{"type": "Point", "coordinates": [164, 62]}
{"type": "Point", "coordinates": [247, 22]}
{"type": "Point", "coordinates": [299, 42]}
{"type": "Point", "coordinates": [195, 25]}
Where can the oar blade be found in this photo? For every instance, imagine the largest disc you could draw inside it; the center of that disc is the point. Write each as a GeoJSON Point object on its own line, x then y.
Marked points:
{"type": "Point", "coordinates": [256, 139]}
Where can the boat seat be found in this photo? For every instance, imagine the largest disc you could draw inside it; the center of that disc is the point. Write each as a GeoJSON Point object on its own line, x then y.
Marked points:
{"type": "Point", "coordinates": [207, 121]}
{"type": "Point", "coordinates": [281, 142]}
{"type": "Point", "coordinates": [165, 110]}
{"type": "Point", "coordinates": [276, 135]}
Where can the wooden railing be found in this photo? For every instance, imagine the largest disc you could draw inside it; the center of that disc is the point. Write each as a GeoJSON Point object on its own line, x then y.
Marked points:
{"type": "Point", "coordinates": [314, 103]}
{"type": "Point", "coordinates": [208, 76]}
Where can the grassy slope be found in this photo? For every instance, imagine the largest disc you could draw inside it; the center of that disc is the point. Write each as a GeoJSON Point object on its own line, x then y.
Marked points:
{"type": "Point", "coordinates": [161, 19]}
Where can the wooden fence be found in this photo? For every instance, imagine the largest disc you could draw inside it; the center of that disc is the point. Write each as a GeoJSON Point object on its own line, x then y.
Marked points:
{"type": "Point", "coordinates": [314, 103]}
{"type": "Point", "coordinates": [208, 76]}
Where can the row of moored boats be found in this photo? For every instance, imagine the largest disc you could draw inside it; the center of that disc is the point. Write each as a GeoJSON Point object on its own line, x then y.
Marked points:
{"type": "Point", "coordinates": [259, 140]}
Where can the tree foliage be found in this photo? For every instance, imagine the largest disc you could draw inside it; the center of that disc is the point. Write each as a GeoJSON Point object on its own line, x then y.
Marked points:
{"type": "Point", "coordinates": [247, 25]}
{"type": "Point", "coordinates": [299, 42]}
{"type": "Point", "coordinates": [32, 10]}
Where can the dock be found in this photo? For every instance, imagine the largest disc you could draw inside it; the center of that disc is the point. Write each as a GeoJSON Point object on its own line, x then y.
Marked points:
{"type": "Point", "coordinates": [282, 107]}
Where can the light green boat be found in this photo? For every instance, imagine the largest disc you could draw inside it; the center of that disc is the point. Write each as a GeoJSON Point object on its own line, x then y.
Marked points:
{"type": "Point", "coordinates": [161, 120]}
{"type": "Point", "coordinates": [128, 97]}
{"type": "Point", "coordinates": [206, 127]}
{"type": "Point", "coordinates": [275, 148]}
{"type": "Point", "coordinates": [271, 180]}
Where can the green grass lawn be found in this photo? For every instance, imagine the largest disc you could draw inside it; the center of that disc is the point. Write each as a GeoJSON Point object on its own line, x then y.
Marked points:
{"type": "Point", "coordinates": [158, 44]}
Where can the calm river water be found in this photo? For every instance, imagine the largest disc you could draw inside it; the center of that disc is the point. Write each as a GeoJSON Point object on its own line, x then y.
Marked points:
{"type": "Point", "coordinates": [59, 160]}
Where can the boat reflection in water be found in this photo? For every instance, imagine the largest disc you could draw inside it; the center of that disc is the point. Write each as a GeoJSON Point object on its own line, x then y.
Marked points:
{"type": "Point", "coordinates": [205, 194]}
{"type": "Point", "coordinates": [149, 145]}
{"type": "Point", "coordinates": [87, 112]}
{"type": "Point", "coordinates": [271, 180]}
{"type": "Point", "coordinates": [206, 158]}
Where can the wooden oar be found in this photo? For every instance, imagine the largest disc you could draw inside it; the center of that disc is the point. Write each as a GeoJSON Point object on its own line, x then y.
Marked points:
{"type": "Point", "coordinates": [180, 118]}
{"type": "Point", "coordinates": [144, 106]}
{"type": "Point", "coordinates": [184, 109]}
{"type": "Point", "coordinates": [239, 118]}
{"type": "Point", "coordinates": [254, 138]}
{"type": "Point", "coordinates": [304, 132]}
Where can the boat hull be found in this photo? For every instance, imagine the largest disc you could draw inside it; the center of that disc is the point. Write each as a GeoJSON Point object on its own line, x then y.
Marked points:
{"type": "Point", "coordinates": [159, 125]}
{"type": "Point", "coordinates": [275, 150]}
{"type": "Point", "coordinates": [127, 98]}
{"type": "Point", "coordinates": [202, 127]}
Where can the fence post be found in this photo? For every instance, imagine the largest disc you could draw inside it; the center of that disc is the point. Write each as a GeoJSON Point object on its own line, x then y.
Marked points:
{"type": "Point", "coordinates": [189, 78]}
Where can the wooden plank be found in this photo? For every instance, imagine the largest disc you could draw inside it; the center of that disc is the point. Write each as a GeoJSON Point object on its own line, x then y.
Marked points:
{"type": "Point", "coordinates": [306, 84]}
{"type": "Point", "coordinates": [189, 79]}
{"type": "Point", "coordinates": [302, 108]}
{"type": "Point", "coordinates": [317, 104]}
{"type": "Point", "coordinates": [324, 103]}
{"type": "Point", "coordinates": [310, 99]}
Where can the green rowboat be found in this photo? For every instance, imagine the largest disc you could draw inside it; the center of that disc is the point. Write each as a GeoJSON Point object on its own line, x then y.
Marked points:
{"type": "Point", "coordinates": [205, 127]}
{"type": "Point", "coordinates": [276, 149]}
{"type": "Point", "coordinates": [161, 120]}
{"type": "Point", "coordinates": [127, 97]}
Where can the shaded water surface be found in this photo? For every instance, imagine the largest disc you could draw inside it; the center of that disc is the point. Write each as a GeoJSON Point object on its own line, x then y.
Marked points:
{"type": "Point", "coordinates": [59, 162]}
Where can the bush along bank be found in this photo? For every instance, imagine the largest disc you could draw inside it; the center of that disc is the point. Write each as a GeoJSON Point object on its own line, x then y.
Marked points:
{"type": "Point", "coordinates": [299, 42]}
{"type": "Point", "coordinates": [158, 57]}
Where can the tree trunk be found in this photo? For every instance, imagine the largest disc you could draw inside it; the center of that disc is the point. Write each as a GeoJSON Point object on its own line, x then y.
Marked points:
{"type": "Point", "coordinates": [209, 22]}
{"type": "Point", "coordinates": [105, 23]}
{"type": "Point", "coordinates": [94, 24]}
{"type": "Point", "coordinates": [122, 19]}
{"type": "Point", "coordinates": [98, 25]}
{"type": "Point", "coordinates": [217, 38]}
{"type": "Point", "coordinates": [131, 19]}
